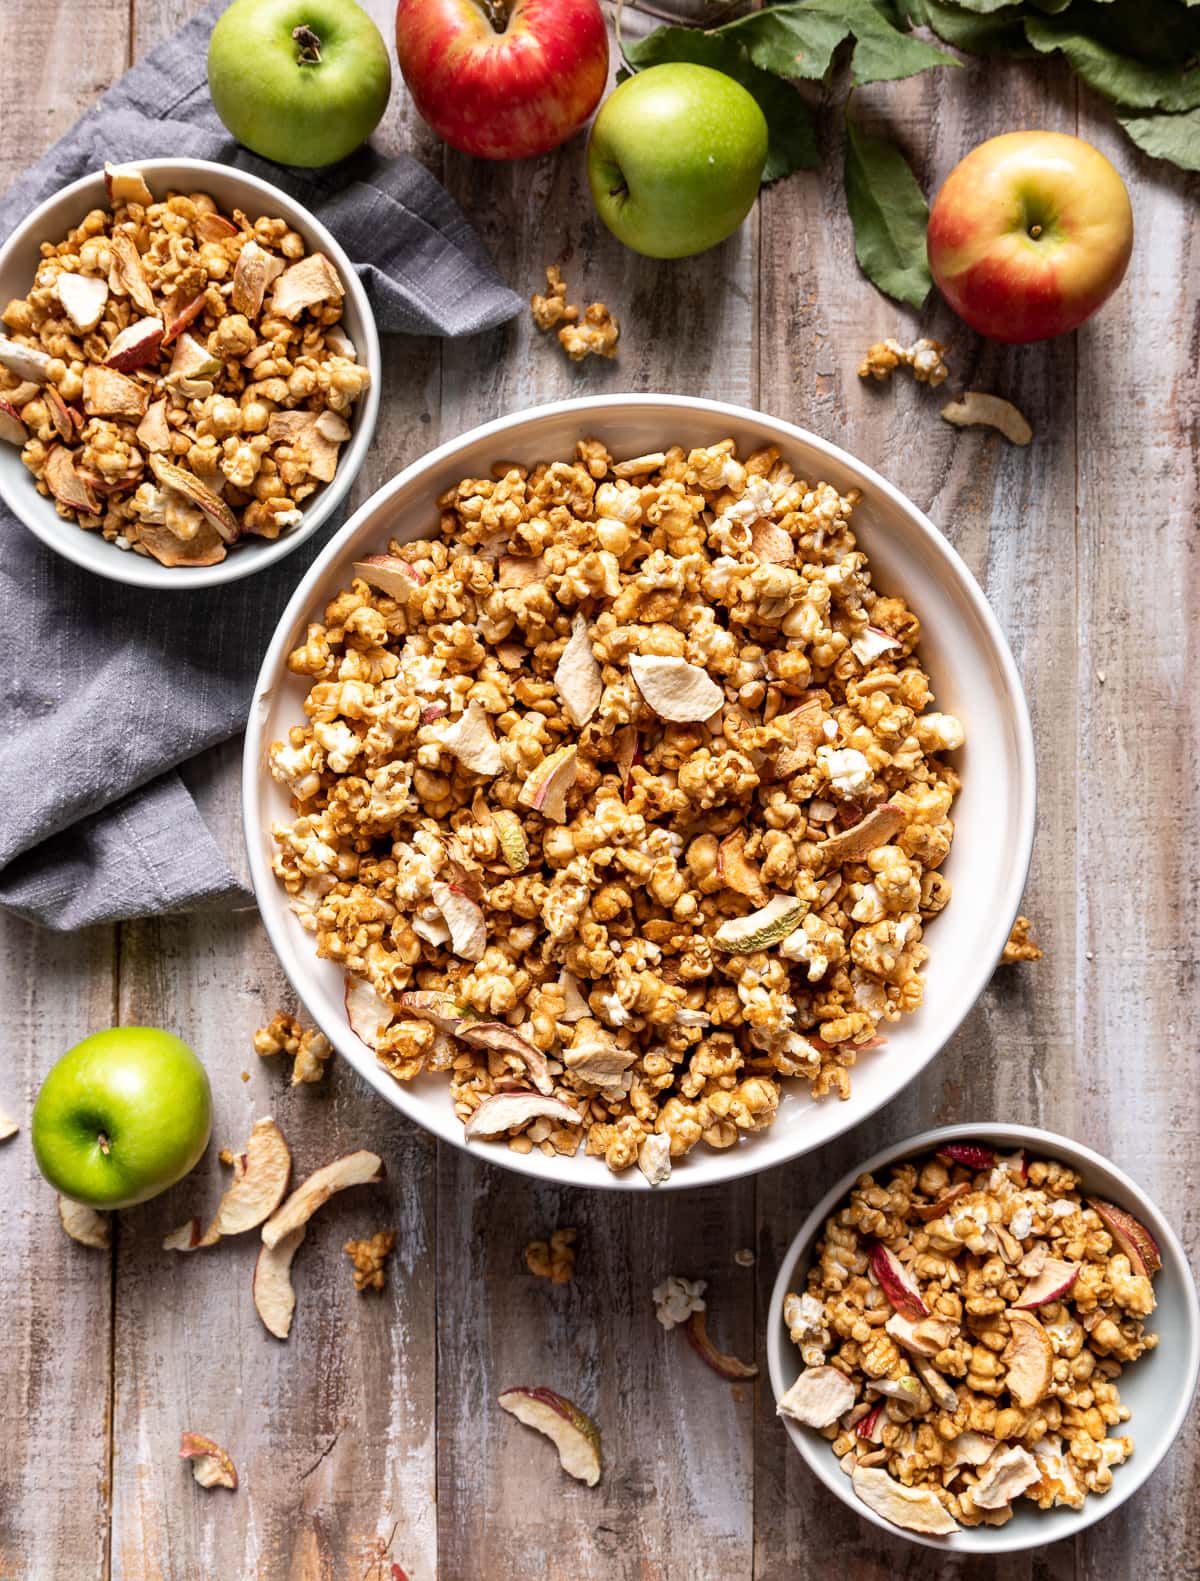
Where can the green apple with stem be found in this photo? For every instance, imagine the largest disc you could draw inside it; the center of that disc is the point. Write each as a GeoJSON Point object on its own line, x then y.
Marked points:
{"type": "Point", "coordinates": [122, 1116]}
{"type": "Point", "coordinates": [302, 82]}
{"type": "Point", "coordinates": [675, 159]}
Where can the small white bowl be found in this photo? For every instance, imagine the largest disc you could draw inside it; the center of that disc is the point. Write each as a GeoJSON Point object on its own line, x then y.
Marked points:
{"type": "Point", "coordinates": [1157, 1388]}
{"type": "Point", "coordinates": [232, 189]}
{"type": "Point", "coordinates": [963, 650]}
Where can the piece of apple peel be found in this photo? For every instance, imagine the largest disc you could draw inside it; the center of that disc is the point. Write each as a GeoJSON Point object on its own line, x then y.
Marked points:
{"type": "Point", "coordinates": [721, 1362]}
{"type": "Point", "coordinates": [272, 1288]}
{"type": "Point", "coordinates": [212, 505]}
{"type": "Point", "coordinates": [213, 227]}
{"type": "Point", "coordinates": [736, 871]}
{"type": "Point", "coordinates": [1134, 1239]}
{"type": "Point", "coordinates": [65, 484]}
{"type": "Point", "coordinates": [446, 1013]}
{"type": "Point", "coordinates": [897, 1283]}
{"type": "Point", "coordinates": [761, 929]}
{"type": "Point", "coordinates": [913, 1509]}
{"type": "Point", "coordinates": [62, 417]}
{"type": "Point", "coordinates": [1028, 1358]}
{"type": "Point", "coordinates": [676, 690]}
{"type": "Point", "coordinates": [570, 1430]}
{"type": "Point", "coordinates": [83, 298]}
{"type": "Point", "coordinates": [503, 1110]}
{"type": "Point", "coordinates": [545, 790]}
{"type": "Point", "coordinates": [577, 675]}
{"type": "Point", "coordinates": [854, 844]}
{"type": "Point", "coordinates": [1052, 1282]}
{"type": "Point", "coordinates": [498, 1036]}
{"type": "Point", "coordinates": [367, 1011]}
{"type": "Point", "coordinates": [12, 425]}
{"type": "Point", "coordinates": [85, 1225]}
{"type": "Point", "coordinates": [989, 411]}
{"type": "Point", "coordinates": [27, 362]}
{"type": "Point", "coordinates": [212, 1466]}
{"type": "Point", "coordinates": [971, 1155]}
{"type": "Point", "coordinates": [126, 184]}
{"type": "Point", "coordinates": [354, 1169]}
{"type": "Point", "coordinates": [870, 1426]}
{"type": "Point", "coordinates": [135, 346]}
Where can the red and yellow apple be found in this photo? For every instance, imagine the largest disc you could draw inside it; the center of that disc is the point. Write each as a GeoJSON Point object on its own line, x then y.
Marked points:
{"type": "Point", "coordinates": [503, 79]}
{"type": "Point", "coordinates": [1030, 234]}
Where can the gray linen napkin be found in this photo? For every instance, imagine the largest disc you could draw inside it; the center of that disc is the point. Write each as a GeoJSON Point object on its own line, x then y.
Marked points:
{"type": "Point", "coordinates": [107, 689]}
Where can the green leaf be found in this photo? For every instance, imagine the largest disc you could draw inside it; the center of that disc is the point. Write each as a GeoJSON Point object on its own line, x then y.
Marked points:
{"type": "Point", "coordinates": [999, 33]}
{"type": "Point", "coordinates": [881, 53]}
{"type": "Point", "coordinates": [1118, 77]}
{"type": "Point", "coordinates": [790, 40]}
{"type": "Point", "coordinates": [985, 7]}
{"type": "Point", "coordinates": [791, 134]}
{"type": "Point", "coordinates": [889, 214]}
{"type": "Point", "coordinates": [1172, 137]}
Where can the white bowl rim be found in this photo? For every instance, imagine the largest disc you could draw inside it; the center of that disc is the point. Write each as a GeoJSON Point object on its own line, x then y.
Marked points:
{"type": "Point", "coordinates": [258, 556]}
{"type": "Point", "coordinates": [816, 1452]}
{"type": "Point", "coordinates": [738, 1161]}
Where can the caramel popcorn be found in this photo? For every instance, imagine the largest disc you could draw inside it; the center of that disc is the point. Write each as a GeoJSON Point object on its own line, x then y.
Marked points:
{"type": "Point", "coordinates": [552, 309]}
{"type": "Point", "coordinates": [1020, 946]}
{"type": "Point", "coordinates": [614, 810]}
{"type": "Point", "coordinates": [309, 1049]}
{"type": "Point", "coordinates": [596, 335]}
{"type": "Point", "coordinates": [177, 379]}
{"type": "Point", "coordinates": [368, 1257]}
{"type": "Point", "coordinates": [553, 1259]}
{"type": "Point", "coordinates": [924, 359]}
{"type": "Point", "coordinates": [981, 1311]}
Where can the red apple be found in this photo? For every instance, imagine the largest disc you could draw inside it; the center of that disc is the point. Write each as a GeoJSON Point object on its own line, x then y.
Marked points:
{"type": "Point", "coordinates": [503, 80]}
{"type": "Point", "coordinates": [1031, 233]}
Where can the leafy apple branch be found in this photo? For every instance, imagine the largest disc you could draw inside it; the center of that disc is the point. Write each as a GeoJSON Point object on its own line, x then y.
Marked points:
{"type": "Point", "coordinates": [1142, 55]}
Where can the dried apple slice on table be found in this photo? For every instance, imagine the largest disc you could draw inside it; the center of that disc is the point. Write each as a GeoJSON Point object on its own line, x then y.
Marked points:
{"type": "Point", "coordinates": [212, 1466]}
{"type": "Point", "coordinates": [273, 1291]}
{"type": "Point", "coordinates": [85, 1225]}
{"type": "Point", "coordinates": [354, 1169]}
{"type": "Point", "coordinates": [572, 1432]}
{"type": "Point", "coordinates": [721, 1362]}
{"type": "Point", "coordinates": [255, 1192]}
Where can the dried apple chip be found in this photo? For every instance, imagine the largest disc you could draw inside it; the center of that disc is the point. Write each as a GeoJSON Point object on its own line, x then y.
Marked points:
{"type": "Point", "coordinates": [212, 1466]}
{"type": "Point", "coordinates": [354, 1169]}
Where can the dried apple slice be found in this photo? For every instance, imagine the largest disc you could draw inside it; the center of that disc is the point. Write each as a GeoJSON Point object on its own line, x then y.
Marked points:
{"type": "Point", "coordinates": [971, 1155]}
{"type": "Point", "coordinates": [736, 871]}
{"type": "Point", "coordinates": [136, 346]}
{"type": "Point", "coordinates": [83, 299]}
{"type": "Point", "coordinates": [85, 1225]}
{"type": "Point", "coordinates": [926, 1211]}
{"type": "Point", "coordinates": [852, 845]}
{"type": "Point", "coordinates": [914, 1509]}
{"type": "Point", "coordinates": [471, 741]}
{"type": "Point", "coordinates": [573, 1434]}
{"type": "Point", "coordinates": [192, 360]}
{"type": "Point", "coordinates": [446, 1013]}
{"type": "Point", "coordinates": [390, 574]}
{"type": "Point", "coordinates": [500, 1037]}
{"type": "Point", "coordinates": [992, 411]}
{"type": "Point", "coordinates": [545, 790]}
{"type": "Point", "coordinates": [354, 1169]}
{"type": "Point", "coordinates": [12, 425]}
{"type": "Point", "coordinates": [1052, 1282]}
{"type": "Point", "coordinates": [1134, 1239]}
{"type": "Point", "coordinates": [771, 542]}
{"type": "Point", "coordinates": [654, 1158]}
{"type": "Point", "coordinates": [182, 318]}
{"type": "Point", "coordinates": [60, 414]}
{"type": "Point", "coordinates": [107, 393]}
{"type": "Point", "coordinates": [153, 432]}
{"type": "Point", "coordinates": [818, 1397]}
{"type": "Point", "coordinates": [872, 644]}
{"type": "Point", "coordinates": [972, 1449]}
{"type": "Point", "coordinates": [897, 1283]}
{"type": "Point", "coordinates": [771, 924]}
{"type": "Point", "coordinates": [306, 284]}
{"type": "Point", "coordinates": [8, 1128]}
{"type": "Point", "coordinates": [126, 277]}
{"type": "Point", "coordinates": [676, 690]}
{"type": "Point", "coordinates": [519, 571]}
{"type": "Point", "coordinates": [577, 675]}
{"type": "Point", "coordinates": [367, 1011]}
{"type": "Point", "coordinates": [126, 184]}
{"type": "Point", "coordinates": [1004, 1478]}
{"type": "Point", "coordinates": [513, 846]}
{"type": "Point", "coordinates": [255, 270]}
{"type": "Point", "coordinates": [213, 227]}
{"type": "Point", "coordinates": [213, 506]}
{"type": "Point", "coordinates": [941, 1390]}
{"type": "Point", "coordinates": [205, 547]}
{"type": "Point", "coordinates": [260, 1188]}
{"type": "Point", "coordinates": [503, 1110]}
{"type": "Point", "coordinates": [186, 1238]}
{"type": "Point", "coordinates": [464, 918]}
{"type": "Point", "coordinates": [211, 1465]}
{"type": "Point", "coordinates": [1029, 1358]}
{"type": "Point", "coordinates": [871, 1425]}
{"type": "Point", "coordinates": [273, 1291]}
{"type": "Point", "coordinates": [65, 484]}
{"type": "Point", "coordinates": [721, 1362]}
{"type": "Point", "coordinates": [27, 362]}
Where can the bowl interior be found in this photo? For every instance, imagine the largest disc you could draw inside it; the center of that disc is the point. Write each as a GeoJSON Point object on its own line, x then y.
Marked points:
{"type": "Point", "coordinates": [231, 189]}
{"type": "Point", "coordinates": [963, 650]}
{"type": "Point", "coordinates": [1157, 1388]}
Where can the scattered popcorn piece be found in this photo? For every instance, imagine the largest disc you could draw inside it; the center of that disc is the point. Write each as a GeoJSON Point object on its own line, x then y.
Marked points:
{"type": "Point", "coordinates": [1020, 946]}
{"type": "Point", "coordinates": [596, 336]}
{"type": "Point", "coordinates": [677, 1298]}
{"type": "Point", "coordinates": [553, 1259]}
{"type": "Point", "coordinates": [309, 1049]}
{"type": "Point", "coordinates": [924, 359]}
{"type": "Point", "coordinates": [553, 308]}
{"type": "Point", "coordinates": [368, 1257]}
{"type": "Point", "coordinates": [744, 1257]}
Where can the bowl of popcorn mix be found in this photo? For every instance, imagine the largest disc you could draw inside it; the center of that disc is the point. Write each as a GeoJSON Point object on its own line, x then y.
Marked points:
{"type": "Point", "coordinates": [607, 779]}
{"type": "Point", "coordinates": [188, 373]}
{"type": "Point", "coordinates": [984, 1339]}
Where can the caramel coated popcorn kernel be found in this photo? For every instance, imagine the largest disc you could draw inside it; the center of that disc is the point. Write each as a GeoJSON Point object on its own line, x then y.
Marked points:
{"type": "Point", "coordinates": [1020, 946]}
{"type": "Point", "coordinates": [368, 1257]}
{"type": "Point", "coordinates": [553, 1259]}
{"type": "Point", "coordinates": [621, 801]}
{"type": "Point", "coordinates": [309, 1049]}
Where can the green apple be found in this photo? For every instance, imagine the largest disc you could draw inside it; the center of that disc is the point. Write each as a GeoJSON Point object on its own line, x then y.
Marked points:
{"type": "Point", "coordinates": [122, 1116]}
{"type": "Point", "coordinates": [675, 159]}
{"type": "Point", "coordinates": [302, 82]}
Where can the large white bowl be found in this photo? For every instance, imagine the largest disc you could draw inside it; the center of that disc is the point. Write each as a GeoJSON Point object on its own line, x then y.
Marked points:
{"type": "Point", "coordinates": [1157, 1388]}
{"type": "Point", "coordinates": [232, 188]}
{"type": "Point", "coordinates": [963, 649]}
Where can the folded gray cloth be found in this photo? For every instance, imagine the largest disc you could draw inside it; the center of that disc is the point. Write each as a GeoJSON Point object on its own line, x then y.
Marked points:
{"type": "Point", "coordinates": [108, 689]}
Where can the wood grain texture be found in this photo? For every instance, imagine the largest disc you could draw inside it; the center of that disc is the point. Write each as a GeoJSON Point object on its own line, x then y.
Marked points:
{"type": "Point", "coordinates": [371, 1437]}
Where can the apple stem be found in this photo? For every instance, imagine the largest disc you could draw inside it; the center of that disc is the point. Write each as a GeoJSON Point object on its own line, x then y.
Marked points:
{"type": "Point", "coordinates": [496, 12]}
{"type": "Point", "coordinates": [1035, 231]}
{"type": "Point", "coordinates": [309, 53]}
{"type": "Point", "coordinates": [103, 1141]}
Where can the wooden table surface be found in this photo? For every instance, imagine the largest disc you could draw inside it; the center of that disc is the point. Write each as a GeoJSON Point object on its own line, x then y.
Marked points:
{"type": "Point", "coordinates": [371, 1438]}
